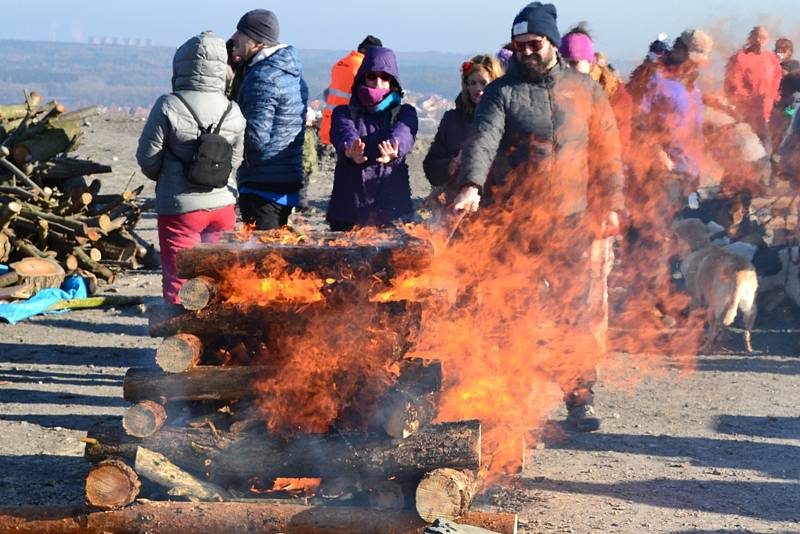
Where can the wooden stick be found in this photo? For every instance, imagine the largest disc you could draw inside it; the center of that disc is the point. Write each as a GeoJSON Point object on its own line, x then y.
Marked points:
{"type": "Point", "coordinates": [96, 302]}
{"type": "Point", "coordinates": [21, 176]}
{"type": "Point", "coordinates": [111, 484]}
{"type": "Point", "coordinates": [157, 468]}
{"type": "Point", "coordinates": [229, 517]}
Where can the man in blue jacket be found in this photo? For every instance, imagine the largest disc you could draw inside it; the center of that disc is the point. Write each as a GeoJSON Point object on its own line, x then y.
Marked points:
{"type": "Point", "coordinates": [273, 98]}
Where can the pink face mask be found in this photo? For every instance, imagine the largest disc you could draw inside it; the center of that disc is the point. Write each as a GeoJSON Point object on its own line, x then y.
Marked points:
{"type": "Point", "coordinates": [370, 98]}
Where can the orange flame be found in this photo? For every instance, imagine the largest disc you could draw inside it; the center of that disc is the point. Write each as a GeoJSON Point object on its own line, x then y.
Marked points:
{"type": "Point", "coordinates": [307, 487]}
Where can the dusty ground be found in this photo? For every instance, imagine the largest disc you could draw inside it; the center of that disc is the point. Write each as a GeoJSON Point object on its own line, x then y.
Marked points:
{"type": "Point", "coordinates": [718, 451]}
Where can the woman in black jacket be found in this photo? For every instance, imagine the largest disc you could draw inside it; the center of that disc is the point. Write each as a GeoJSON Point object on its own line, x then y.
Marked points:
{"type": "Point", "coordinates": [443, 161]}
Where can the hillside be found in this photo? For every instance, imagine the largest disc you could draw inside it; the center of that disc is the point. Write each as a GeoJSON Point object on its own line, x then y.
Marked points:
{"type": "Point", "coordinates": [127, 76]}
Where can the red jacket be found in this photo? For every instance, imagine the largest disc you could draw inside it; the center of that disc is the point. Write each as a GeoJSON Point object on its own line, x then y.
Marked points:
{"type": "Point", "coordinates": [752, 81]}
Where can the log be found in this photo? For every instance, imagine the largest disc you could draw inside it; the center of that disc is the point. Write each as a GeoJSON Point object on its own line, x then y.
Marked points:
{"type": "Point", "coordinates": [157, 468]}
{"type": "Point", "coordinates": [198, 292]}
{"type": "Point", "coordinates": [8, 212]}
{"type": "Point", "coordinates": [441, 526]}
{"type": "Point", "coordinates": [14, 111]}
{"type": "Point", "coordinates": [224, 319]}
{"type": "Point", "coordinates": [56, 138]}
{"type": "Point", "coordinates": [92, 266]}
{"type": "Point", "coordinates": [38, 273]}
{"type": "Point", "coordinates": [218, 518]}
{"type": "Point", "coordinates": [80, 114]}
{"type": "Point", "coordinates": [399, 254]}
{"type": "Point", "coordinates": [445, 494]}
{"type": "Point", "coordinates": [117, 247]}
{"type": "Point", "coordinates": [179, 353]}
{"type": "Point", "coordinates": [143, 419]}
{"type": "Point", "coordinates": [111, 484]}
{"type": "Point", "coordinates": [413, 402]}
{"type": "Point", "coordinates": [95, 302]}
{"type": "Point", "coordinates": [5, 246]}
{"type": "Point", "coordinates": [9, 279]}
{"type": "Point", "coordinates": [74, 225]}
{"type": "Point", "coordinates": [204, 382]}
{"type": "Point", "coordinates": [21, 176]}
{"type": "Point", "coordinates": [231, 459]}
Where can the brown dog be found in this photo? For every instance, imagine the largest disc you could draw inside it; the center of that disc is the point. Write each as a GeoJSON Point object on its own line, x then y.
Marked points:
{"type": "Point", "coordinates": [723, 282]}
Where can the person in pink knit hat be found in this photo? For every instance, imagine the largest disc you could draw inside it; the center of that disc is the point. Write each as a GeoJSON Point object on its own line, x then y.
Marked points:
{"type": "Point", "coordinates": [578, 49]}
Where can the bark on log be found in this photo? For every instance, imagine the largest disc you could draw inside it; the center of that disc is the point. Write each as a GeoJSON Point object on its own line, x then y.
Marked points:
{"type": "Point", "coordinates": [5, 246]}
{"type": "Point", "coordinates": [92, 266]}
{"type": "Point", "coordinates": [445, 494]}
{"type": "Point", "coordinates": [111, 484]}
{"type": "Point", "coordinates": [117, 247]}
{"type": "Point", "coordinates": [9, 279]}
{"type": "Point", "coordinates": [80, 114]}
{"type": "Point", "coordinates": [401, 254]}
{"type": "Point", "coordinates": [198, 293]}
{"type": "Point", "coordinates": [223, 518]}
{"type": "Point", "coordinates": [231, 459]}
{"type": "Point", "coordinates": [38, 273]}
{"type": "Point", "coordinates": [412, 403]}
{"type": "Point", "coordinates": [21, 176]}
{"type": "Point", "coordinates": [200, 383]}
{"type": "Point", "coordinates": [179, 353]}
{"type": "Point", "coordinates": [56, 138]}
{"type": "Point", "coordinates": [64, 168]}
{"type": "Point", "coordinates": [157, 468]}
{"type": "Point", "coordinates": [144, 419]}
{"type": "Point", "coordinates": [8, 212]}
{"type": "Point", "coordinates": [402, 317]}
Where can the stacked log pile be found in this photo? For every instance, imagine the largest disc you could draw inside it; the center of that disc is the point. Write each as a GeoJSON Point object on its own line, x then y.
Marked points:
{"type": "Point", "coordinates": [49, 216]}
{"type": "Point", "coordinates": [196, 430]}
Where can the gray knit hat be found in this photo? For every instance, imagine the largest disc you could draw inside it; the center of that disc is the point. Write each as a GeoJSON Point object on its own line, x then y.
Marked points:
{"type": "Point", "coordinates": [260, 25]}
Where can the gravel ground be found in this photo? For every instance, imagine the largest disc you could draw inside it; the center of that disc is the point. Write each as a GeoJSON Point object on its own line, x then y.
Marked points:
{"type": "Point", "coordinates": [717, 451]}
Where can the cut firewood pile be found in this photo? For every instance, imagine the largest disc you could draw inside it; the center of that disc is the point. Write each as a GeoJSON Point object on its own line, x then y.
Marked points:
{"type": "Point", "coordinates": [52, 222]}
{"type": "Point", "coordinates": [274, 400]}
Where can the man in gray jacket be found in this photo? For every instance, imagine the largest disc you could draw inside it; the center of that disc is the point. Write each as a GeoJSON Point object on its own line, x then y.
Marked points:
{"type": "Point", "coordinates": [545, 141]}
{"type": "Point", "coordinates": [189, 214]}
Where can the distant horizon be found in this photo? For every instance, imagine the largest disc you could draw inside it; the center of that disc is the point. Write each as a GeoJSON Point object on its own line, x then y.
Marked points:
{"type": "Point", "coordinates": [622, 29]}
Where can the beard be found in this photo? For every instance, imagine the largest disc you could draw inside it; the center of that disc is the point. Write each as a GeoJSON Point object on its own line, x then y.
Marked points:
{"type": "Point", "coordinates": [537, 65]}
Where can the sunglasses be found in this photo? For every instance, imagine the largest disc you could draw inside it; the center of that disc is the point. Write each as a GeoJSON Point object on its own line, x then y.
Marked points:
{"type": "Point", "coordinates": [534, 46]}
{"type": "Point", "coordinates": [374, 76]}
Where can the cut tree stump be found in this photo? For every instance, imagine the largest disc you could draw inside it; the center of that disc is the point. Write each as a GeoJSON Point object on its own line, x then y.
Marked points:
{"type": "Point", "coordinates": [111, 484]}
{"type": "Point", "coordinates": [229, 517]}
{"type": "Point", "coordinates": [228, 458]}
{"type": "Point", "coordinates": [38, 273]}
{"type": "Point", "coordinates": [157, 468]}
{"type": "Point", "coordinates": [144, 419]}
{"type": "Point", "coordinates": [445, 494]}
{"type": "Point", "coordinates": [179, 353]}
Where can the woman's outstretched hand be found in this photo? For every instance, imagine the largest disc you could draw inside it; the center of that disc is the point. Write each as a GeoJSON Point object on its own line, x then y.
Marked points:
{"type": "Point", "coordinates": [356, 151]}
{"type": "Point", "coordinates": [389, 151]}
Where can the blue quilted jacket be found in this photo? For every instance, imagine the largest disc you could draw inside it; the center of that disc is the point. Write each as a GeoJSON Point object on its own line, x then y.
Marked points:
{"type": "Point", "coordinates": [273, 98]}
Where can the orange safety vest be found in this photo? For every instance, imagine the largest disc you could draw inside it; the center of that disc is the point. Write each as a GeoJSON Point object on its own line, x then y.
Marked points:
{"type": "Point", "coordinates": [342, 75]}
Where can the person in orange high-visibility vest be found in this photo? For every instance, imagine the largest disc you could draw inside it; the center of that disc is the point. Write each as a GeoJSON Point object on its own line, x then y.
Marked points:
{"type": "Point", "coordinates": [338, 92]}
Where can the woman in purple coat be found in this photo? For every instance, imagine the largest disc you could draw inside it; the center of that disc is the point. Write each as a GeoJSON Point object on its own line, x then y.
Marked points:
{"type": "Point", "coordinates": [372, 136]}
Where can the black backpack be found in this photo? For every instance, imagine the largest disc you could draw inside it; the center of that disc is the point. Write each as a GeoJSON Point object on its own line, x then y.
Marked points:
{"type": "Point", "coordinates": [212, 161]}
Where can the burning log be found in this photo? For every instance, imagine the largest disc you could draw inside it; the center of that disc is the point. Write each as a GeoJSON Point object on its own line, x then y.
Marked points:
{"type": "Point", "coordinates": [223, 319]}
{"type": "Point", "coordinates": [198, 292]}
{"type": "Point", "coordinates": [204, 382]}
{"type": "Point", "coordinates": [144, 419]}
{"type": "Point", "coordinates": [413, 402]}
{"type": "Point", "coordinates": [229, 458]}
{"type": "Point", "coordinates": [181, 518]}
{"type": "Point", "coordinates": [111, 484]}
{"type": "Point", "coordinates": [445, 494]}
{"type": "Point", "coordinates": [157, 468]}
{"type": "Point", "coordinates": [395, 255]}
{"type": "Point", "coordinates": [179, 353]}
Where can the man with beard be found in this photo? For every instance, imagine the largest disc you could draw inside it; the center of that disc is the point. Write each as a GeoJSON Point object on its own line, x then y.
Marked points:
{"type": "Point", "coordinates": [545, 150]}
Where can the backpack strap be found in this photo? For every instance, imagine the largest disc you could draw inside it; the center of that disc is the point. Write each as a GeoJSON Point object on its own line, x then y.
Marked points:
{"type": "Point", "coordinates": [222, 119]}
{"type": "Point", "coordinates": [191, 111]}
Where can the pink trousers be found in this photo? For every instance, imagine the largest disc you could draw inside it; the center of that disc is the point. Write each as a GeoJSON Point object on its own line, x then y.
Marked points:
{"type": "Point", "coordinates": [184, 231]}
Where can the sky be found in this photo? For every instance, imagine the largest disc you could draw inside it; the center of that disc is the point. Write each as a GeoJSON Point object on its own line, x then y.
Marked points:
{"type": "Point", "coordinates": [621, 28]}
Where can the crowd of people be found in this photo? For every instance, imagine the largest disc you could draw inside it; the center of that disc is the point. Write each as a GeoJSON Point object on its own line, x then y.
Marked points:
{"type": "Point", "coordinates": [547, 110]}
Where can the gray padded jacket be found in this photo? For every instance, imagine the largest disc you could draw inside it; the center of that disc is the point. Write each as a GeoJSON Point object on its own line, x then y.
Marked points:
{"type": "Point", "coordinates": [548, 134]}
{"type": "Point", "coordinates": [199, 75]}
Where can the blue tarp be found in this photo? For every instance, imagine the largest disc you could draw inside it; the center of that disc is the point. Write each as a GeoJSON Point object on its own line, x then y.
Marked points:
{"type": "Point", "coordinates": [74, 287]}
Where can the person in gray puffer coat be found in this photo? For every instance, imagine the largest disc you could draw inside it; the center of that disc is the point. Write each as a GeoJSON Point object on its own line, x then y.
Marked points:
{"type": "Point", "coordinates": [545, 141]}
{"type": "Point", "coordinates": [187, 214]}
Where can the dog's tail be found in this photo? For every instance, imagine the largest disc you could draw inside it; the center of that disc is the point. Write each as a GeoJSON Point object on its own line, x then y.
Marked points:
{"type": "Point", "coordinates": [744, 294]}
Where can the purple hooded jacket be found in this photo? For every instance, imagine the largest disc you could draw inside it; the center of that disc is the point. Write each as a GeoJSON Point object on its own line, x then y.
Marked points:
{"type": "Point", "coordinates": [372, 193]}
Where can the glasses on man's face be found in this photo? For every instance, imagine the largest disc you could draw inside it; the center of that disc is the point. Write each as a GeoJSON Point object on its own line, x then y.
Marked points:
{"type": "Point", "coordinates": [375, 76]}
{"type": "Point", "coordinates": [533, 45]}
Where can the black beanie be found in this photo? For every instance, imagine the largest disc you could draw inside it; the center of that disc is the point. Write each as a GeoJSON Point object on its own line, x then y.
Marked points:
{"type": "Point", "coordinates": [260, 25]}
{"type": "Point", "coordinates": [540, 19]}
{"type": "Point", "coordinates": [369, 40]}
